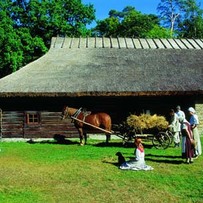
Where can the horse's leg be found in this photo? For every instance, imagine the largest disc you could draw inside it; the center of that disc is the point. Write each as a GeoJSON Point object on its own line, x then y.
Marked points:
{"type": "Point", "coordinates": [81, 136]}
{"type": "Point", "coordinates": [108, 127]}
{"type": "Point", "coordinates": [85, 136]}
{"type": "Point", "coordinates": [108, 138]}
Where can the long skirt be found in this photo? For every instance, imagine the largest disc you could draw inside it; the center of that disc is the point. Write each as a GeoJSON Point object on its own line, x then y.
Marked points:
{"type": "Point", "coordinates": [183, 146]}
{"type": "Point", "coordinates": [189, 149]}
{"type": "Point", "coordinates": [135, 165]}
{"type": "Point", "coordinates": [198, 147]}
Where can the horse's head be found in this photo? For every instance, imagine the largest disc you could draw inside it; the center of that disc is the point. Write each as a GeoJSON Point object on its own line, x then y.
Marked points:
{"type": "Point", "coordinates": [64, 114]}
{"type": "Point", "coordinates": [69, 112]}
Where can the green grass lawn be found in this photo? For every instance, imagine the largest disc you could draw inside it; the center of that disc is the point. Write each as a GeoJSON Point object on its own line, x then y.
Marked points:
{"type": "Point", "coordinates": [45, 172]}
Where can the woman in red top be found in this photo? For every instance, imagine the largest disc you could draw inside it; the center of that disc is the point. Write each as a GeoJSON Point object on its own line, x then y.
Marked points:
{"type": "Point", "coordinates": [139, 162]}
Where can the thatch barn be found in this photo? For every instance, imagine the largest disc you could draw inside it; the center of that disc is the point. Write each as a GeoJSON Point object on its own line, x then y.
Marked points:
{"type": "Point", "coordinates": [115, 75]}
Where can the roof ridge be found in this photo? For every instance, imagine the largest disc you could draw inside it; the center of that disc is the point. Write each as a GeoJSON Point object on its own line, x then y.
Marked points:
{"type": "Point", "coordinates": [125, 42]}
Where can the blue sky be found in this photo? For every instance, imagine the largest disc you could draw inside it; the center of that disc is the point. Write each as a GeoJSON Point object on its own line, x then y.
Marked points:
{"type": "Point", "coordinates": [104, 6]}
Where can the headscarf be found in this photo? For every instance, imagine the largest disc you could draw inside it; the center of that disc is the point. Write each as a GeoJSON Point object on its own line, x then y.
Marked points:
{"type": "Point", "coordinates": [191, 109]}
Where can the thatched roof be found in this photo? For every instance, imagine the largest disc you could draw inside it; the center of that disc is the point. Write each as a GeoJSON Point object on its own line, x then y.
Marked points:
{"type": "Point", "coordinates": [111, 67]}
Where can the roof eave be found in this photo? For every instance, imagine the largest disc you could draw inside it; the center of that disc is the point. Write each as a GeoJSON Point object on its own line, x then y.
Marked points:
{"type": "Point", "coordinates": [100, 94]}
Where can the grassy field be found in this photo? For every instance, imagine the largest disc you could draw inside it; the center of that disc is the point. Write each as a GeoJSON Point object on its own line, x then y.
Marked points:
{"type": "Point", "coordinates": [46, 172]}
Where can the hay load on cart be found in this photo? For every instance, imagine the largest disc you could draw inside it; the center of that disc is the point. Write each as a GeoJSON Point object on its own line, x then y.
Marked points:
{"type": "Point", "coordinates": [146, 122]}
{"type": "Point", "coordinates": [146, 126]}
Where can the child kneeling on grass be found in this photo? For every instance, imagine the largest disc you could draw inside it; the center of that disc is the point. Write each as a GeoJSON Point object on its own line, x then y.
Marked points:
{"type": "Point", "coordinates": [139, 162]}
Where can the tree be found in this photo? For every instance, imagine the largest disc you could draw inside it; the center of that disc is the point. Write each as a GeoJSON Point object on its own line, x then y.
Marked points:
{"type": "Point", "coordinates": [10, 45]}
{"type": "Point", "coordinates": [192, 25]}
{"type": "Point", "coordinates": [26, 28]}
{"type": "Point", "coordinates": [158, 32]}
{"type": "Point", "coordinates": [170, 13]}
{"type": "Point", "coordinates": [136, 24]}
{"type": "Point", "coordinates": [129, 23]}
{"type": "Point", "coordinates": [183, 17]}
{"type": "Point", "coordinates": [57, 17]}
{"type": "Point", "coordinates": [107, 27]}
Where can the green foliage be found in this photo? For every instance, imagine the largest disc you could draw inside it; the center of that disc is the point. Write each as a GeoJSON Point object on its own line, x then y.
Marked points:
{"type": "Point", "coordinates": [129, 23]}
{"type": "Point", "coordinates": [10, 45]}
{"type": "Point", "coordinates": [26, 28]}
{"type": "Point", "coordinates": [192, 28]}
{"type": "Point", "coordinates": [158, 32]}
{"type": "Point", "coordinates": [32, 47]}
{"type": "Point", "coordinates": [192, 25]}
{"type": "Point", "coordinates": [184, 18]}
{"type": "Point", "coordinates": [108, 27]}
{"type": "Point", "coordinates": [50, 172]}
{"type": "Point", "coordinates": [51, 18]}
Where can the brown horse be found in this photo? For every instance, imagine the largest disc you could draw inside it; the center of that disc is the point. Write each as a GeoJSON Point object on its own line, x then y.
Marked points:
{"type": "Point", "coordinates": [97, 120]}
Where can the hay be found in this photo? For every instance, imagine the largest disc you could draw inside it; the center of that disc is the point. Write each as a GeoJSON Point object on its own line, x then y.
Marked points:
{"type": "Point", "coordinates": [146, 121]}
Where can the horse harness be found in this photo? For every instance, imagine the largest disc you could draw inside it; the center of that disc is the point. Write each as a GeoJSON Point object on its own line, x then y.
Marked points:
{"type": "Point", "coordinates": [78, 112]}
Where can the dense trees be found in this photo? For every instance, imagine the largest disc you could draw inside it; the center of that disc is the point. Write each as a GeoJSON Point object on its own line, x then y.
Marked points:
{"type": "Point", "coordinates": [131, 23]}
{"type": "Point", "coordinates": [192, 24]}
{"type": "Point", "coordinates": [184, 18]}
{"type": "Point", "coordinates": [176, 18]}
{"type": "Point", "coordinates": [27, 26]}
{"type": "Point", "coordinates": [10, 45]}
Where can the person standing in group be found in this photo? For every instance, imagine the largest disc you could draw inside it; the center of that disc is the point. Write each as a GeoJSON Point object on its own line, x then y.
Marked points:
{"type": "Point", "coordinates": [187, 138]}
{"type": "Point", "coordinates": [174, 127]}
{"type": "Point", "coordinates": [180, 113]}
{"type": "Point", "coordinates": [181, 117]}
{"type": "Point", "coordinates": [194, 121]}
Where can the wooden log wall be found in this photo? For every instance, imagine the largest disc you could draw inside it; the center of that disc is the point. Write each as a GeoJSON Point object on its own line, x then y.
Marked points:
{"type": "Point", "coordinates": [14, 125]}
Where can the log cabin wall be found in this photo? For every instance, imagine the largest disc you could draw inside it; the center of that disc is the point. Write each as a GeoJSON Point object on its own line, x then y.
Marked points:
{"type": "Point", "coordinates": [12, 124]}
{"type": "Point", "coordinates": [35, 124]}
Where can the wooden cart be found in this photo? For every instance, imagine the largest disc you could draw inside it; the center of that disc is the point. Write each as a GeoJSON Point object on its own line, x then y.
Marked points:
{"type": "Point", "coordinates": [160, 140]}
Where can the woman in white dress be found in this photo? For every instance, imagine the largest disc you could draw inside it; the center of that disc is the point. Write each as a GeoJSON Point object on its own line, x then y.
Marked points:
{"type": "Point", "coordinates": [194, 121]}
{"type": "Point", "coordinates": [174, 127]}
{"type": "Point", "coordinates": [139, 162]}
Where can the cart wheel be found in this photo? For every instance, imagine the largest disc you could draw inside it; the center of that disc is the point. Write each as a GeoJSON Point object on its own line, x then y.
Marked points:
{"type": "Point", "coordinates": [170, 134]}
{"type": "Point", "coordinates": [124, 140]}
{"type": "Point", "coordinates": [161, 140]}
{"type": "Point", "coordinates": [128, 139]}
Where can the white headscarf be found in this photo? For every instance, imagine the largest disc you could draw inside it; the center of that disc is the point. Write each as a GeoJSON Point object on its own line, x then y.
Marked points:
{"type": "Point", "coordinates": [191, 109]}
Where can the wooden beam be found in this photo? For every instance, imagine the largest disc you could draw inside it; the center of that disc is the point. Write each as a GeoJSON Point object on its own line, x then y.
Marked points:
{"type": "Point", "coordinates": [106, 131]}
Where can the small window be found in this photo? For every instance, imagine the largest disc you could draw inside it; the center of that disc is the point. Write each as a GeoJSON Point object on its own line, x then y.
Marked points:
{"type": "Point", "coordinates": [32, 118]}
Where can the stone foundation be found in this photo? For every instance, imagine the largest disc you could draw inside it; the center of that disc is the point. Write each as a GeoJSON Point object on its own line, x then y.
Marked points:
{"type": "Point", "coordinates": [199, 111]}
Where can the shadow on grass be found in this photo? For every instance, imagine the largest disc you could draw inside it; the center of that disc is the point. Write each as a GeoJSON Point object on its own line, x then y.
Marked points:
{"type": "Point", "coordinates": [119, 144]}
{"type": "Point", "coordinates": [176, 160]}
{"type": "Point", "coordinates": [168, 161]}
{"type": "Point", "coordinates": [164, 159]}
{"type": "Point", "coordinates": [110, 144]}
{"type": "Point", "coordinates": [171, 160]}
{"type": "Point", "coordinates": [112, 163]}
{"type": "Point", "coordinates": [58, 139]}
{"type": "Point", "coordinates": [162, 156]}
